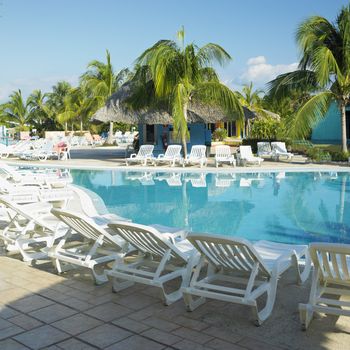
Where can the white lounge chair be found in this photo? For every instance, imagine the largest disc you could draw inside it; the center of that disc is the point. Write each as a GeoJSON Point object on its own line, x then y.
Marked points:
{"type": "Point", "coordinates": [279, 150]}
{"type": "Point", "coordinates": [223, 155]}
{"type": "Point", "coordinates": [237, 262]}
{"type": "Point", "coordinates": [171, 156]}
{"type": "Point", "coordinates": [4, 151]}
{"type": "Point", "coordinates": [197, 156]}
{"type": "Point", "coordinates": [30, 228]}
{"type": "Point", "coordinates": [96, 247]}
{"type": "Point", "coordinates": [145, 153]}
{"type": "Point", "coordinates": [264, 149]}
{"type": "Point", "coordinates": [246, 156]}
{"type": "Point", "coordinates": [160, 259]}
{"type": "Point", "coordinates": [330, 281]}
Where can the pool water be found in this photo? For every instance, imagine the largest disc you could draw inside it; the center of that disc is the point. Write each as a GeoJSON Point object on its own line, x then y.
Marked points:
{"type": "Point", "coordinates": [282, 207]}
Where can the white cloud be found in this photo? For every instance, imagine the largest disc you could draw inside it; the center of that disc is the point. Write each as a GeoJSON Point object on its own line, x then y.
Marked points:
{"type": "Point", "coordinates": [259, 71]}
{"type": "Point", "coordinates": [27, 85]}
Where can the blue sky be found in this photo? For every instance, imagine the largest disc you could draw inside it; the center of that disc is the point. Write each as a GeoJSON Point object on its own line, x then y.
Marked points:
{"type": "Point", "coordinates": [44, 41]}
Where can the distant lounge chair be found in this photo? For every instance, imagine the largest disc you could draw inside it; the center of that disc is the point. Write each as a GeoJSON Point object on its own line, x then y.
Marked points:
{"type": "Point", "coordinates": [223, 155]}
{"type": "Point", "coordinates": [197, 156]}
{"type": "Point", "coordinates": [264, 149]}
{"type": "Point", "coordinates": [279, 149]}
{"type": "Point", "coordinates": [246, 156]}
{"type": "Point", "coordinates": [237, 262]}
{"type": "Point", "coordinates": [4, 151]}
{"type": "Point", "coordinates": [330, 281]}
{"type": "Point", "coordinates": [160, 259]}
{"type": "Point", "coordinates": [171, 156]}
{"type": "Point", "coordinates": [145, 153]}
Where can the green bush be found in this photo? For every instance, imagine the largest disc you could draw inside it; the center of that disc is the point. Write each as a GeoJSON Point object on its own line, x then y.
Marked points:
{"type": "Point", "coordinates": [265, 128]}
{"type": "Point", "coordinates": [319, 155]}
{"type": "Point", "coordinates": [339, 156]}
{"type": "Point", "coordinates": [220, 134]}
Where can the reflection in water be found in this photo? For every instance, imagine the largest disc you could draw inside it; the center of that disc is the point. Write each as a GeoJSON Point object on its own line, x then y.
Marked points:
{"type": "Point", "coordinates": [284, 207]}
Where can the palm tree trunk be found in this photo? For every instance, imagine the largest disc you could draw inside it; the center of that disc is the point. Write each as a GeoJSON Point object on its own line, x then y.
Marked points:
{"type": "Point", "coordinates": [184, 132]}
{"type": "Point", "coordinates": [344, 147]}
{"type": "Point", "coordinates": [81, 125]}
{"type": "Point", "coordinates": [66, 126]}
{"type": "Point", "coordinates": [110, 139]}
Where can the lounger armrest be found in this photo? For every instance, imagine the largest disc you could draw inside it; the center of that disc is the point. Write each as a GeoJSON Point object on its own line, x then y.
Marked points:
{"type": "Point", "coordinates": [133, 155]}
{"type": "Point", "coordinates": [160, 156]}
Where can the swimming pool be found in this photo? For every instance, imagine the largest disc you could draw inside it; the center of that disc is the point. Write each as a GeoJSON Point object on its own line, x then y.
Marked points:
{"type": "Point", "coordinates": [283, 207]}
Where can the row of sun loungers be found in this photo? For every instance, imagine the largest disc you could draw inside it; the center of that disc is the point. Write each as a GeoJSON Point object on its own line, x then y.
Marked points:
{"type": "Point", "coordinates": [225, 268]}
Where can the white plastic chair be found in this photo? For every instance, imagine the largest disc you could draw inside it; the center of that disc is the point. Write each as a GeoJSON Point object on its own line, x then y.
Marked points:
{"type": "Point", "coordinates": [160, 259]}
{"type": "Point", "coordinates": [330, 281]}
{"type": "Point", "coordinates": [279, 149]}
{"type": "Point", "coordinates": [223, 155]}
{"type": "Point", "coordinates": [237, 262]}
{"type": "Point", "coordinates": [4, 151]}
{"type": "Point", "coordinates": [97, 247]}
{"type": "Point", "coordinates": [171, 156]}
{"type": "Point", "coordinates": [264, 149]}
{"type": "Point", "coordinates": [145, 153]}
{"type": "Point", "coordinates": [197, 156]}
{"type": "Point", "coordinates": [247, 157]}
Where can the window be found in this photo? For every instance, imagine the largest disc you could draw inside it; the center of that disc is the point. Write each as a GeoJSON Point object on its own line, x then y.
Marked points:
{"type": "Point", "coordinates": [231, 129]}
{"type": "Point", "coordinates": [150, 134]}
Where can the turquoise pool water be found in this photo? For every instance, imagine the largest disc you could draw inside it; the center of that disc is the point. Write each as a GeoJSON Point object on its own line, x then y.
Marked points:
{"type": "Point", "coordinates": [283, 207]}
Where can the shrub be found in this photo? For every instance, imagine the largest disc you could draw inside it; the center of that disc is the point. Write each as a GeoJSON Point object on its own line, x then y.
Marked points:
{"type": "Point", "coordinates": [339, 156]}
{"type": "Point", "coordinates": [220, 134]}
{"type": "Point", "coordinates": [319, 155]}
{"type": "Point", "coordinates": [265, 128]}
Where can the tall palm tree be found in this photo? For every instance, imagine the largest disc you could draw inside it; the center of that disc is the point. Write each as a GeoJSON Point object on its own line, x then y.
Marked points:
{"type": "Point", "coordinates": [324, 70]}
{"type": "Point", "coordinates": [17, 110]}
{"type": "Point", "coordinates": [103, 81]}
{"type": "Point", "coordinates": [172, 76]}
{"type": "Point", "coordinates": [38, 109]}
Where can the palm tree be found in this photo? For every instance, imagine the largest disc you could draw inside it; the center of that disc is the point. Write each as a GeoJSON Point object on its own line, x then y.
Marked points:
{"type": "Point", "coordinates": [102, 80]}
{"type": "Point", "coordinates": [324, 70]}
{"type": "Point", "coordinates": [172, 76]}
{"type": "Point", "coordinates": [38, 109]}
{"type": "Point", "coordinates": [17, 110]}
{"type": "Point", "coordinates": [252, 100]}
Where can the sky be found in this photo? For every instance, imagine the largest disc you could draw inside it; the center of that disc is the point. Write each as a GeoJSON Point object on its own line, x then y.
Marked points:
{"type": "Point", "coordinates": [45, 41]}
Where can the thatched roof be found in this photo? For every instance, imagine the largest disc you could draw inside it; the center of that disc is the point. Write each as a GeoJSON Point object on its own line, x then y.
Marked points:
{"type": "Point", "coordinates": [115, 110]}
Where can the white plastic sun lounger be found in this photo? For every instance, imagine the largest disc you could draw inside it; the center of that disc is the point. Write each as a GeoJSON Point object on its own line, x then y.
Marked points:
{"type": "Point", "coordinates": [197, 156]}
{"type": "Point", "coordinates": [247, 157]}
{"type": "Point", "coordinates": [171, 156]}
{"type": "Point", "coordinates": [330, 281]}
{"type": "Point", "coordinates": [31, 227]}
{"type": "Point", "coordinates": [237, 262]}
{"type": "Point", "coordinates": [4, 151]}
{"type": "Point", "coordinates": [279, 150]}
{"type": "Point", "coordinates": [145, 153]}
{"type": "Point", "coordinates": [264, 149]}
{"type": "Point", "coordinates": [223, 155]}
{"type": "Point", "coordinates": [160, 259]}
{"type": "Point", "coordinates": [95, 247]}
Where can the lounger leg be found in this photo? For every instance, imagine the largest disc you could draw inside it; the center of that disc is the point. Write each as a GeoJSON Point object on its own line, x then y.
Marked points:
{"type": "Point", "coordinates": [302, 276]}
{"type": "Point", "coordinates": [191, 303]}
{"type": "Point", "coordinates": [306, 313]}
{"type": "Point", "coordinates": [170, 298]}
{"type": "Point", "coordinates": [119, 284]}
{"type": "Point", "coordinates": [100, 278]}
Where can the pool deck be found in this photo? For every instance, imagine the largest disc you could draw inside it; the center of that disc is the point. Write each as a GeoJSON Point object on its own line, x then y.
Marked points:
{"type": "Point", "coordinates": [114, 158]}
{"type": "Point", "coordinates": [41, 310]}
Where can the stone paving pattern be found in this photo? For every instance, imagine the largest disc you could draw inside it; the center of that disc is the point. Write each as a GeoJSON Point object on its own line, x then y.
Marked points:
{"type": "Point", "coordinates": [41, 310]}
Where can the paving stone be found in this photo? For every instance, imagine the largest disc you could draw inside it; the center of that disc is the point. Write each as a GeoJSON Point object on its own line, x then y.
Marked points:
{"type": "Point", "coordinates": [161, 337]}
{"type": "Point", "coordinates": [131, 325]}
{"type": "Point", "coordinates": [136, 342]}
{"type": "Point", "coordinates": [108, 312]}
{"type": "Point", "coordinates": [251, 343]}
{"type": "Point", "coordinates": [146, 312]}
{"type": "Point", "coordinates": [4, 324]}
{"type": "Point", "coordinates": [137, 301]}
{"type": "Point", "coordinates": [74, 344]}
{"type": "Point", "coordinates": [7, 312]}
{"type": "Point", "coordinates": [220, 344]}
{"type": "Point", "coordinates": [189, 345]}
{"type": "Point", "coordinates": [10, 331]}
{"type": "Point", "coordinates": [197, 337]}
{"type": "Point", "coordinates": [76, 304]}
{"type": "Point", "coordinates": [53, 295]}
{"type": "Point", "coordinates": [25, 321]}
{"type": "Point", "coordinates": [158, 323]}
{"type": "Point", "coordinates": [104, 335]}
{"type": "Point", "coordinates": [53, 313]}
{"type": "Point", "coordinates": [10, 344]}
{"type": "Point", "coordinates": [223, 334]}
{"type": "Point", "coordinates": [77, 324]}
{"type": "Point", "coordinates": [190, 323]}
{"type": "Point", "coordinates": [11, 295]}
{"type": "Point", "coordinates": [40, 337]}
{"type": "Point", "coordinates": [31, 303]}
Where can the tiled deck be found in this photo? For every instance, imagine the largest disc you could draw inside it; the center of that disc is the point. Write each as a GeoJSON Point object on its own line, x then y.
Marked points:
{"type": "Point", "coordinates": [41, 310]}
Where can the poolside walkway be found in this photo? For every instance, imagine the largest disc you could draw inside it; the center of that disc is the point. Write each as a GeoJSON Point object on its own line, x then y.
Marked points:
{"type": "Point", "coordinates": [41, 310]}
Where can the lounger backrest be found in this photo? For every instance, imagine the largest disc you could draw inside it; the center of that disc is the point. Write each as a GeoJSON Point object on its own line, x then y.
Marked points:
{"type": "Point", "coordinates": [222, 151]}
{"type": "Point", "coordinates": [173, 151]}
{"type": "Point", "coordinates": [145, 151]}
{"type": "Point", "coordinates": [228, 253]}
{"type": "Point", "coordinates": [146, 239]}
{"type": "Point", "coordinates": [198, 151]}
{"type": "Point", "coordinates": [86, 227]}
{"type": "Point", "coordinates": [264, 147]}
{"type": "Point", "coordinates": [332, 261]}
{"type": "Point", "coordinates": [279, 147]}
{"type": "Point", "coordinates": [245, 152]}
